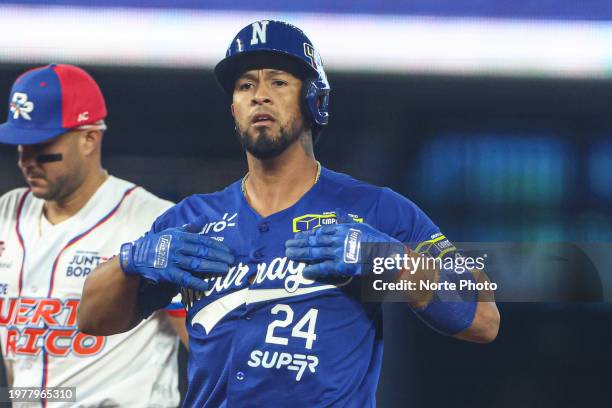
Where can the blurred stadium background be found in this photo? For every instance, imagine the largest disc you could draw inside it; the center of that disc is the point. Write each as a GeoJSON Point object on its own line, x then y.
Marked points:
{"type": "Point", "coordinates": [495, 117]}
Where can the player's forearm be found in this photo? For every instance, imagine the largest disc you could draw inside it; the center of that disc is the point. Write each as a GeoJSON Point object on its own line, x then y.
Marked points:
{"type": "Point", "coordinates": [486, 322]}
{"type": "Point", "coordinates": [109, 301]}
{"type": "Point", "coordinates": [485, 326]}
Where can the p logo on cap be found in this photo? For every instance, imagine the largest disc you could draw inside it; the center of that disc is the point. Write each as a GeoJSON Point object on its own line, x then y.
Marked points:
{"type": "Point", "coordinates": [20, 106]}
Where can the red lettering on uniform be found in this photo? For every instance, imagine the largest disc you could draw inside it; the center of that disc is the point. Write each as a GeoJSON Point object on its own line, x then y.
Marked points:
{"type": "Point", "coordinates": [25, 305]}
{"type": "Point", "coordinates": [46, 308]}
{"type": "Point", "coordinates": [33, 335]}
{"type": "Point", "coordinates": [44, 313]}
{"type": "Point", "coordinates": [51, 339]}
{"type": "Point", "coordinates": [12, 336]}
{"type": "Point", "coordinates": [72, 304]}
{"type": "Point", "coordinates": [6, 319]}
{"type": "Point", "coordinates": [80, 347]}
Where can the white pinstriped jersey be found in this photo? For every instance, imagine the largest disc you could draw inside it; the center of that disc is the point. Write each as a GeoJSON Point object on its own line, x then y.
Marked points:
{"type": "Point", "coordinates": [42, 271]}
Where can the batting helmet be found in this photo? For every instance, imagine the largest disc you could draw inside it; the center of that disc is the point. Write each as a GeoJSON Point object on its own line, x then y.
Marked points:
{"type": "Point", "coordinates": [265, 41]}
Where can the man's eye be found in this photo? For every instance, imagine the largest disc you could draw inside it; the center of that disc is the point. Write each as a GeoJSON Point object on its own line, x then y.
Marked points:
{"type": "Point", "coordinates": [278, 82]}
{"type": "Point", "coordinates": [245, 86]}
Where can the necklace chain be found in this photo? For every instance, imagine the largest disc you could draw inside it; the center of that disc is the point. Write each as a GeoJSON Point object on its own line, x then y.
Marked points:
{"type": "Point", "coordinates": [244, 179]}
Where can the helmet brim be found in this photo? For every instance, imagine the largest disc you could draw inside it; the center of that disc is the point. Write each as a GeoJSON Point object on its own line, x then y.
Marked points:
{"type": "Point", "coordinates": [230, 68]}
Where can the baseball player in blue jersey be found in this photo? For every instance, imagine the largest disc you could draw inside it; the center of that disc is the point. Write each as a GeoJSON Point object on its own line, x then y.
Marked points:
{"type": "Point", "coordinates": [271, 268]}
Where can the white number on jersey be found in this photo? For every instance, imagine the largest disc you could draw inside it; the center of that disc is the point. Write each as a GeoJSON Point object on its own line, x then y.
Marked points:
{"type": "Point", "coordinates": [309, 320]}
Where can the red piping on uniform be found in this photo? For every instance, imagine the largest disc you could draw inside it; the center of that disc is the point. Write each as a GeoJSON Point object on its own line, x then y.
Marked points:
{"type": "Point", "coordinates": [20, 238]}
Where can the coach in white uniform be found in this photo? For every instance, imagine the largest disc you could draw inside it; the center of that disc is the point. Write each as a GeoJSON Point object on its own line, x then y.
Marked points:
{"type": "Point", "coordinates": [54, 233]}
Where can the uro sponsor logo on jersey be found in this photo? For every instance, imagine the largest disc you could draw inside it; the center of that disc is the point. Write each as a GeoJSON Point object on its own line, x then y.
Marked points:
{"type": "Point", "coordinates": [309, 222]}
{"type": "Point", "coordinates": [83, 263]}
{"type": "Point", "coordinates": [34, 324]}
{"type": "Point", "coordinates": [227, 221]}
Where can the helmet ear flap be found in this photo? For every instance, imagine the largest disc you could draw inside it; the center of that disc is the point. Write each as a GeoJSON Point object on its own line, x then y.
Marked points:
{"type": "Point", "coordinates": [307, 113]}
{"type": "Point", "coordinates": [322, 104]}
{"type": "Point", "coordinates": [313, 105]}
{"type": "Point", "coordinates": [315, 102]}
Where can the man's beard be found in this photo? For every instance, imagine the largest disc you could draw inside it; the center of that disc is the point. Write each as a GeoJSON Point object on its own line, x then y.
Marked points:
{"type": "Point", "coordinates": [60, 188]}
{"type": "Point", "coordinates": [264, 146]}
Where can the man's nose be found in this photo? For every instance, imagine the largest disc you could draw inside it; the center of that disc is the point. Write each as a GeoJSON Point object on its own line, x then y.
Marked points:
{"type": "Point", "coordinates": [25, 157]}
{"type": "Point", "coordinates": [261, 95]}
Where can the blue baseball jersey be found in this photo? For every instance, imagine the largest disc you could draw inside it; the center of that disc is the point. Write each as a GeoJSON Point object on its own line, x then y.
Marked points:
{"type": "Point", "coordinates": [264, 335]}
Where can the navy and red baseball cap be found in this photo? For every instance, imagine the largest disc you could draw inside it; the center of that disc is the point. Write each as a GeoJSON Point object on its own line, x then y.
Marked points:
{"type": "Point", "coordinates": [48, 101]}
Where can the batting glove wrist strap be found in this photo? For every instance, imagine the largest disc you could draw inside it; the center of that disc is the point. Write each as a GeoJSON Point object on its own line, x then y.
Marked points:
{"type": "Point", "coordinates": [125, 259]}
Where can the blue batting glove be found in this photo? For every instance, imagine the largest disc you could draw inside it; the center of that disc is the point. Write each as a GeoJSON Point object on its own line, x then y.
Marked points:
{"type": "Point", "coordinates": [341, 250]}
{"type": "Point", "coordinates": [174, 255]}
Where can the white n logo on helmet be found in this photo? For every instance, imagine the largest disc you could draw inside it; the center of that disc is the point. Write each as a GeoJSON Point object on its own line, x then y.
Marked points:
{"type": "Point", "coordinates": [20, 106]}
{"type": "Point", "coordinates": [259, 32]}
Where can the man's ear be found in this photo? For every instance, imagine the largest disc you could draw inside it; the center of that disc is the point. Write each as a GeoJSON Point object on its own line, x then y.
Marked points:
{"type": "Point", "coordinates": [91, 141]}
{"type": "Point", "coordinates": [232, 109]}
